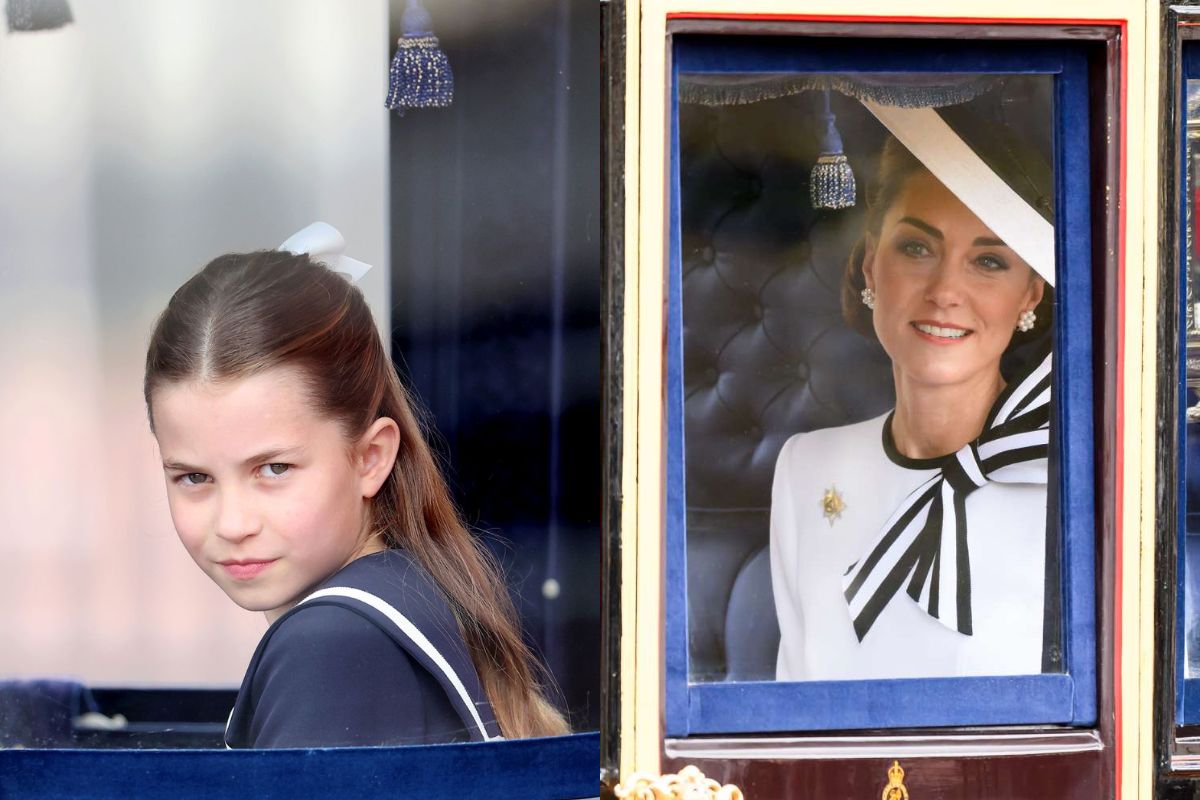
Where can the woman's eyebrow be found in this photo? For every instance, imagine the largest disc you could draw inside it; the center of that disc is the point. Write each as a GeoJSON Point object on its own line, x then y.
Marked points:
{"type": "Point", "coordinates": [925, 226]}
{"type": "Point", "coordinates": [981, 241]}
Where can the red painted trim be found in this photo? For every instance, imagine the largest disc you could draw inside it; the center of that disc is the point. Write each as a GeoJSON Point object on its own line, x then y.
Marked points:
{"type": "Point", "coordinates": [897, 19]}
{"type": "Point", "coordinates": [1118, 566]}
{"type": "Point", "coordinates": [1195, 200]}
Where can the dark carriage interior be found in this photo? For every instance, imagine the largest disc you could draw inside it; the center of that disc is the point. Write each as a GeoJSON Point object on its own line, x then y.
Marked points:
{"type": "Point", "coordinates": [765, 349]}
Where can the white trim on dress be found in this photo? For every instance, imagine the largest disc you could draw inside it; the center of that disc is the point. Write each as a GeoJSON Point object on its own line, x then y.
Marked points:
{"type": "Point", "coordinates": [412, 632]}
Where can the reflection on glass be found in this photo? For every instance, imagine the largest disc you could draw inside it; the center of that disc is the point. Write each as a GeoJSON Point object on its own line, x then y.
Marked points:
{"type": "Point", "coordinates": [142, 140]}
{"type": "Point", "coordinates": [863, 334]}
{"type": "Point", "coordinates": [137, 143]}
{"type": "Point", "coordinates": [1191, 327]}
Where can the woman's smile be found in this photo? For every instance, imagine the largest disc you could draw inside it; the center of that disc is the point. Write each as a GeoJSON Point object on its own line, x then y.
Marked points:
{"type": "Point", "coordinates": [943, 333]}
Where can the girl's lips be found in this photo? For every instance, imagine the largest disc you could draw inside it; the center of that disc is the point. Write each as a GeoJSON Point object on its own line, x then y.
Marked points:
{"type": "Point", "coordinates": [245, 570]}
{"type": "Point", "coordinates": [940, 334]}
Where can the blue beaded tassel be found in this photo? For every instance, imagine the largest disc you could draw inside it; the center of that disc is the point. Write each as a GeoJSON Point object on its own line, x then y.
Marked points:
{"type": "Point", "coordinates": [831, 184]}
{"type": "Point", "coordinates": [420, 76]}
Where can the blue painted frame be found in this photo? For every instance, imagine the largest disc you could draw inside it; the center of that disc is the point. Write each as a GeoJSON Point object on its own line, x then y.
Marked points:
{"type": "Point", "coordinates": [1187, 690]}
{"type": "Point", "coordinates": [555, 768]}
{"type": "Point", "coordinates": [1063, 698]}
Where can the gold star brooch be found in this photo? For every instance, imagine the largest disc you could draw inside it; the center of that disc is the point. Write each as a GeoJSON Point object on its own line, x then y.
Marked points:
{"type": "Point", "coordinates": [832, 504]}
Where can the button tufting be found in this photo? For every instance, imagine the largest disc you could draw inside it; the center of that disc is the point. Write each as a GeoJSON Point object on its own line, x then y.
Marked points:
{"type": "Point", "coordinates": [754, 432]}
{"type": "Point", "coordinates": [707, 255]}
{"type": "Point", "coordinates": [802, 372]}
{"type": "Point", "coordinates": [757, 311]}
{"type": "Point", "coordinates": [710, 376]}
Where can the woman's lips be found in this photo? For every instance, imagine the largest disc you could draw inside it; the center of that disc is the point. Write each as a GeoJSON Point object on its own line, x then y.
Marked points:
{"type": "Point", "coordinates": [245, 570]}
{"type": "Point", "coordinates": [940, 333]}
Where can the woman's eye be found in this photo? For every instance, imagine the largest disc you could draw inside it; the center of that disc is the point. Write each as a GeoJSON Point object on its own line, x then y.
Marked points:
{"type": "Point", "coordinates": [273, 470]}
{"type": "Point", "coordinates": [991, 262]}
{"type": "Point", "coordinates": [192, 478]}
{"type": "Point", "coordinates": [914, 248]}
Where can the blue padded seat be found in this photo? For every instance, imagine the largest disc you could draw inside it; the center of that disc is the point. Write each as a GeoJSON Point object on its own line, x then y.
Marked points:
{"type": "Point", "coordinates": [765, 351]}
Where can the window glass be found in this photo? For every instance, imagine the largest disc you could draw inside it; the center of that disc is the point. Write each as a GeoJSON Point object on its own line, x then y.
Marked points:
{"type": "Point", "coordinates": [1191, 328]}
{"type": "Point", "coordinates": [782, 354]}
{"type": "Point", "coordinates": [142, 140]}
{"type": "Point", "coordinates": [139, 142]}
{"type": "Point", "coordinates": [495, 215]}
{"type": "Point", "coordinates": [877, 286]}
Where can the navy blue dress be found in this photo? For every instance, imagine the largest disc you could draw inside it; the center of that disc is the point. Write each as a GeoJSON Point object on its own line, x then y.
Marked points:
{"type": "Point", "coordinates": [372, 657]}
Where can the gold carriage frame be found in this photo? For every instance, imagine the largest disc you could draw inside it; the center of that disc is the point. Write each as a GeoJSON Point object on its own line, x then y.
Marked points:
{"type": "Point", "coordinates": [1125, 189]}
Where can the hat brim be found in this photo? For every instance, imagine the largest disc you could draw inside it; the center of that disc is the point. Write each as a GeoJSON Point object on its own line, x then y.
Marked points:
{"type": "Point", "coordinates": [953, 162]}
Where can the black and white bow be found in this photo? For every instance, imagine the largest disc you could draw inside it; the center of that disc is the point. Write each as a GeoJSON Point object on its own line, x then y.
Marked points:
{"type": "Point", "coordinates": [923, 546]}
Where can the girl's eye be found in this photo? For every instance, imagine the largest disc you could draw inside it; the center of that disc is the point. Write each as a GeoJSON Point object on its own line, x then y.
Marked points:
{"type": "Point", "coordinates": [991, 262]}
{"type": "Point", "coordinates": [273, 470]}
{"type": "Point", "coordinates": [914, 248]}
{"type": "Point", "coordinates": [192, 478]}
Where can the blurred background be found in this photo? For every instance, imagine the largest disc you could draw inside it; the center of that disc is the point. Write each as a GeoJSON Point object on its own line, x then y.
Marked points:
{"type": "Point", "coordinates": [139, 141]}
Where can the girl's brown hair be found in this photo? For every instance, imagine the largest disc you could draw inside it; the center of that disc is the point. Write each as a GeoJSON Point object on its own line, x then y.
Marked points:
{"type": "Point", "coordinates": [896, 165]}
{"type": "Point", "coordinates": [246, 313]}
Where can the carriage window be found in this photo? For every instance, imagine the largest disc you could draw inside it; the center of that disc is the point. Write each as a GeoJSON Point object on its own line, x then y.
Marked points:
{"type": "Point", "coordinates": [141, 141]}
{"type": "Point", "coordinates": [1177, 605]}
{"type": "Point", "coordinates": [879, 365]}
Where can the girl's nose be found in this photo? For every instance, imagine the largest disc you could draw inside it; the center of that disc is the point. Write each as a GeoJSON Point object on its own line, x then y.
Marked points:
{"type": "Point", "coordinates": [236, 518]}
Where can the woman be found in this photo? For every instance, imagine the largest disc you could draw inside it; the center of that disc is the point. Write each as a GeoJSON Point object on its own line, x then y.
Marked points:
{"type": "Point", "coordinates": [913, 544]}
{"type": "Point", "coordinates": [300, 481]}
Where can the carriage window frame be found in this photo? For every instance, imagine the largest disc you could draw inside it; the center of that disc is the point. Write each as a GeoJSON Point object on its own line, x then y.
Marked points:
{"type": "Point", "coordinates": [1069, 697]}
{"type": "Point", "coordinates": [1177, 698]}
{"type": "Point", "coordinates": [1187, 690]}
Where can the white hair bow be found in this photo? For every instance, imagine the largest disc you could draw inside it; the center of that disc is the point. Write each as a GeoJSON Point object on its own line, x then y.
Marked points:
{"type": "Point", "coordinates": [324, 243]}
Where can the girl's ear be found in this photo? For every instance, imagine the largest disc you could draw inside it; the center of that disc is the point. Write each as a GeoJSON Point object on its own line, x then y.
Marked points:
{"type": "Point", "coordinates": [377, 454]}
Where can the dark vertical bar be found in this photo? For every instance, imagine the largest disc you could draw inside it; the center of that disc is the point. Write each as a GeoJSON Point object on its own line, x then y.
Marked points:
{"type": "Point", "coordinates": [1105, 78]}
{"type": "Point", "coordinates": [1167, 410]}
{"type": "Point", "coordinates": [560, 179]}
{"type": "Point", "coordinates": [612, 59]}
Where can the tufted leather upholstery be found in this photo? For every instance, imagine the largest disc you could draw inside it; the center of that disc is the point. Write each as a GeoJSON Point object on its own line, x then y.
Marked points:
{"type": "Point", "coordinates": [766, 353]}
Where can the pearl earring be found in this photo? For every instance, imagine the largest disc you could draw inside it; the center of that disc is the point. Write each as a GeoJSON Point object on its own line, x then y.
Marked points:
{"type": "Point", "coordinates": [868, 298]}
{"type": "Point", "coordinates": [1025, 321]}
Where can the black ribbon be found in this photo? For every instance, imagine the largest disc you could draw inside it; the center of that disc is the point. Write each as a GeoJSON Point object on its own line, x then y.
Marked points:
{"type": "Point", "coordinates": [923, 545]}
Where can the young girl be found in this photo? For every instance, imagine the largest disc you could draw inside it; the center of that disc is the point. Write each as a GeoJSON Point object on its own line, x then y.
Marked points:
{"type": "Point", "coordinates": [299, 480]}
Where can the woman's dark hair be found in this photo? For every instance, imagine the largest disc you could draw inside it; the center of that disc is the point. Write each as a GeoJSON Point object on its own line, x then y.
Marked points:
{"type": "Point", "coordinates": [246, 313]}
{"type": "Point", "coordinates": [896, 166]}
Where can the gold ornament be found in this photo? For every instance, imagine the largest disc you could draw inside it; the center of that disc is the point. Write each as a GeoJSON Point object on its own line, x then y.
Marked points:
{"type": "Point", "coordinates": [689, 784]}
{"type": "Point", "coordinates": [895, 788]}
{"type": "Point", "coordinates": [832, 504]}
